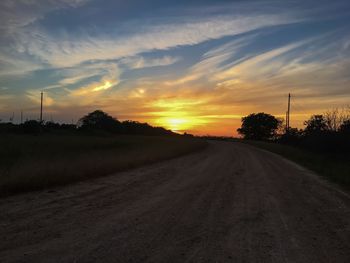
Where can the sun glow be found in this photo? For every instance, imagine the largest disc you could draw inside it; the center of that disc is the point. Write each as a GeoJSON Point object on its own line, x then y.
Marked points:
{"type": "Point", "coordinates": [178, 115]}
{"type": "Point", "coordinates": [175, 124]}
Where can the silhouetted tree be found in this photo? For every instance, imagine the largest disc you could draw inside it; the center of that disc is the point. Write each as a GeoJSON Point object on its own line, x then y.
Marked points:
{"type": "Point", "coordinates": [316, 125]}
{"type": "Point", "coordinates": [336, 117]}
{"type": "Point", "coordinates": [8, 127]}
{"type": "Point", "coordinates": [259, 126]}
{"type": "Point", "coordinates": [65, 126]}
{"type": "Point", "coordinates": [293, 136]}
{"type": "Point", "coordinates": [31, 127]}
{"type": "Point", "coordinates": [134, 127]}
{"type": "Point", "coordinates": [345, 127]}
{"type": "Point", "coordinates": [99, 120]}
{"type": "Point", "coordinates": [50, 125]}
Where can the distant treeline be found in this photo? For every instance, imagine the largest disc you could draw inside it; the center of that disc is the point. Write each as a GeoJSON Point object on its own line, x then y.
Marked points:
{"type": "Point", "coordinates": [328, 132]}
{"type": "Point", "coordinates": [94, 122]}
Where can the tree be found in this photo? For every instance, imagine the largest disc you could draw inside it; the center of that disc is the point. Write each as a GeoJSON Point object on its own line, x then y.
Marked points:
{"type": "Point", "coordinates": [345, 127]}
{"type": "Point", "coordinates": [316, 124]}
{"type": "Point", "coordinates": [259, 126]}
{"type": "Point", "coordinates": [31, 126]}
{"type": "Point", "coordinates": [99, 120]}
{"type": "Point", "coordinates": [336, 117]}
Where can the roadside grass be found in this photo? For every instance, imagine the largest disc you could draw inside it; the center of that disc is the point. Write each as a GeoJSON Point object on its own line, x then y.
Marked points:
{"type": "Point", "coordinates": [39, 162]}
{"type": "Point", "coordinates": [334, 167]}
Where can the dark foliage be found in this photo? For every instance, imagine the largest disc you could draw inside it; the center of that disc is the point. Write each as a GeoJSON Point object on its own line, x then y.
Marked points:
{"type": "Point", "coordinates": [293, 136]}
{"type": "Point", "coordinates": [99, 120]}
{"type": "Point", "coordinates": [317, 124]}
{"type": "Point", "coordinates": [320, 137]}
{"type": "Point", "coordinates": [259, 126]}
{"type": "Point", "coordinates": [31, 127]}
{"type": "Point", "coordinates": [94, 122]}
{"type": "Point", "coordinates": [345, 127]}
{"type": "Point", "coordinates": [134, 127]}
{"type": "Point", "coordinates": [8, 127]}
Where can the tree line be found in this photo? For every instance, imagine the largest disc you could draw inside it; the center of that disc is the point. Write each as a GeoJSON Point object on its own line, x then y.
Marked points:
{"type": "Point", "coordinates": [323, 132]}
{"type": "Point", "coordinates": [94, 122]}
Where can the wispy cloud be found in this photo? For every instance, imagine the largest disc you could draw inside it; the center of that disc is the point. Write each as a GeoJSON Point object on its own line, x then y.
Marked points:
{"type": "Point", "coordinates": [68, 50]}
{"type": "Point", "coordinates": [138, 62]}
{"type": "Point", "coordinates": [20, 13]}
{"type": "Point", "coordinates": [212, 61]}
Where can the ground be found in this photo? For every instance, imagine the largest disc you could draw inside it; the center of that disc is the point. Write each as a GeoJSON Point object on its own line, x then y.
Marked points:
{"type": "Point", "coordinates": [230, 202]}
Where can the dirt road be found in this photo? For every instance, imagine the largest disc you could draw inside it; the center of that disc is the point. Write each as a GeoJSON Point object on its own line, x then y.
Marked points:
{"type": "Point", "coordinates": [228, 203]}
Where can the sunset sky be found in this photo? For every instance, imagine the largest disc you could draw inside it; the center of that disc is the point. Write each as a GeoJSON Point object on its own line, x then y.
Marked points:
{"type": "Point", "coordinates": [194, 66]}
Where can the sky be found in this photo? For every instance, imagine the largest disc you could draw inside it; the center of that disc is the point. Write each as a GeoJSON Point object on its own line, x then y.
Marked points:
{"type": "Point", "coordinates": [187, 65]}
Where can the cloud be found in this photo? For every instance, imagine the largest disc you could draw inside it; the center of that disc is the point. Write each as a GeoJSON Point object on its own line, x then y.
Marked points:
{"type": "Point", "coordinates": [68, 50]}
{"type": "Point", "coordinates": [15, 65]}
{"type": "Point", "coordinates": [21, 13]}
{"type": "Point", "coordinates": [75, 76]}
{"type": "Point", "coordinates": [259, 65]}
{"type": "Point", "coordinates": [212, 60]}
{"type": "Point", "coordinates": [80, 95]}
{"type": "Point", "coordinates": [30, 47]}
{"type": "Point", "coordinates": [4, 102]}
{"type": "Point", "coordinates": [94, 88]}
{"type": "Point", "coordinates": [78, 74]}
{"type": "Point", "coordinates": [138, 62]}
{"type": "Point", "coordinates": [309, 63]}
{"type": "Point", "coordinates": [17, 20]}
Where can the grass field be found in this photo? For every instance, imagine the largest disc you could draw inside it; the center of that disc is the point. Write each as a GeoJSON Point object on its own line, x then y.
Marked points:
{"type": "Point", "coordinates": [38, 162]}
{"type": "Point", "coordinates": [334, 167]}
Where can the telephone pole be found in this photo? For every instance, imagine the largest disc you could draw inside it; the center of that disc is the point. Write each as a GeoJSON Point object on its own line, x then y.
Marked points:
{"type": "Point", "coordinates": [12, 117]}
{"type": "Point", "coordinates": [21, 116]}
{"type": "Point", "coordinates": [41, 108]}
{"type": "Point", "coordinates": [288, 114]}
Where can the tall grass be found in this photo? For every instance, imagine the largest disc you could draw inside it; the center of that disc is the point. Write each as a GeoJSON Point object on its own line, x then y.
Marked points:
{"type": "Point", "coordinates": [38, 162]}
{"type": "Point", "coordinates": [334, 167]}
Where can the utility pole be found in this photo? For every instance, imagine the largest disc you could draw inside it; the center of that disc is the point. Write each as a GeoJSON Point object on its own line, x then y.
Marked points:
{"type": "Point", "coordinates": [21, 116]}
{"type": "Point", "coordinates": [41, 108]}
{"type": "Point", "coordinates": [288, 113]}
{"type": "Point", "coordinates": [12, 117]}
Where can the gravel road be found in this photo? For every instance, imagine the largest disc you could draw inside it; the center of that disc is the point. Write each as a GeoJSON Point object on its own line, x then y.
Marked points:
{"type": "Point", "coordinates": [228, 203]}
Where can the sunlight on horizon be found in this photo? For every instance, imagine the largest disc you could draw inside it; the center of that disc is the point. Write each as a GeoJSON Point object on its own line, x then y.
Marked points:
{"type": "Point", "coordinates": [178, 115]}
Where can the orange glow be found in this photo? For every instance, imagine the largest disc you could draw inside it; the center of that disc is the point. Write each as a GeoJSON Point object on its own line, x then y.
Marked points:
{"type": "Point", "coordinates": [180, 123]}
{"type": "Point", "coordinates": [174, 124]}
{"type": "Point", "coordinates": [178, 115]}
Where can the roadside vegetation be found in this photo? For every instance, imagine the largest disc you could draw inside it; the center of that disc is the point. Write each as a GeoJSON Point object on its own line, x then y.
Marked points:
{"type": "Point", "coordinates": [96, 122]}
{"type": "Point", "coordinates": [334, 167]}
{"type": "Point", "coordinates": [44, 158]}
{"type": "Point", "coordinates": [322, 146]}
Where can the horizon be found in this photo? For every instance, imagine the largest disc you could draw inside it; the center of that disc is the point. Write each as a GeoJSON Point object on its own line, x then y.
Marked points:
{"type": "Point", "coordinates": [188, 66]}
